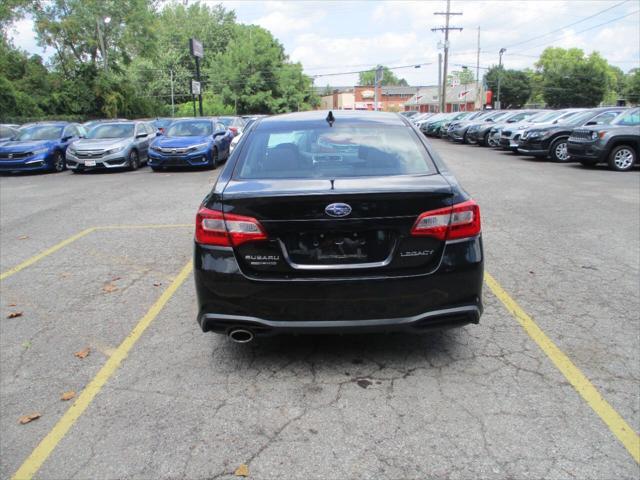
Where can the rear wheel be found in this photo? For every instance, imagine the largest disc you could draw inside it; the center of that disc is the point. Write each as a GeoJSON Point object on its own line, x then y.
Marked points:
{"type": "Point", "coordinates": [486, 141]}
{"type": "Point", "coordinates": [622, 158]}
{"type": "Point", "coordinates": [134, 160]}
{"type": "Point", "coordinates": [465, 139]}
{"type": "Point", "coordinates": [558, 151]}
{"type": "Point", "coordinates": [58, 162]}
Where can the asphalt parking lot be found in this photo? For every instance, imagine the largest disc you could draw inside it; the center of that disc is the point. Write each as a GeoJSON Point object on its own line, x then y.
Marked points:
{"type": "Point", "coordinates": [156, 398]}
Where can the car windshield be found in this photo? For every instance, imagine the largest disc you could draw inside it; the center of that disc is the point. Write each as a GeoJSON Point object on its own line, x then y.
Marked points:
{"type": "Point", "coordinates": [566, 115]}
{"type": "Point", "coordinates": [581, 118]}
{"type": "Point", "coordinates": [628, 118]}
{"type": "Point", "coordinates": [543, 117]}
{"type": "Point", "coordinates": [42, 132]}
{"type": "Point", "coordinates": [496, 116]}
{"type": "Point", "coordinates": [334, 152]}
{"type": "Point", "coordinates": [226, 121]}
{"type": "Point", "coordinates": [112, 130]}
{"type": "Point", "coordinates": [190, 128]}
{"type": "Point", "coordinates": [162, 123]}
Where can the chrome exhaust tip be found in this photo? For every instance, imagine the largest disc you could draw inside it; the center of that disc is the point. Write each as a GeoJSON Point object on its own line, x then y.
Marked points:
{"type": "Point", "coordinates": [240, 335]}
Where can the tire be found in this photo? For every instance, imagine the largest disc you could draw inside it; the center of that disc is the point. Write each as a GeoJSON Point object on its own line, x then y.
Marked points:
{"type": "Point", "coordinates": [622, 158]}
{"type": "Point", "coordinates": [558, 151]}
{"type": "Point", "coordinates": [134, 160]}
{"type": "Point", "coordinates": [156, 169]}
{"type": "Point", "coordinates": [59, 163]}
{"type": "Point", "coordinates": [214, 159]}
{"type": "Point", "coordinates": [485, 140]}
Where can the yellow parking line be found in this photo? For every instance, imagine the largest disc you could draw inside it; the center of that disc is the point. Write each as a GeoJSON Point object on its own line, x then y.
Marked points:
{"type": "Point", "coordinates": [33, 463]}
{"type": "Point", "coordinates": [151, 226]}
{"type": "Point", "coordinates": [73, 238]}
{"type": "Point", "coordinates": [627, 436]}
{"type": "Point", "coordinates": [46, 253]}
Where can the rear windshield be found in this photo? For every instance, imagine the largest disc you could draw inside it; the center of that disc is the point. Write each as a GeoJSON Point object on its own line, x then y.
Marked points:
{"type": "Point", "coordinates": [334, 152]}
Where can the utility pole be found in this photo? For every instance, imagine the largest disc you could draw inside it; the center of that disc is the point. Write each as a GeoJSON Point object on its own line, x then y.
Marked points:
{"type": "Point", "coordinates": [478, 89]}
{"type": "Point", "coordinates": [173, 110]}
{"type": "Point", "coordinates": [498, 104]}
{"type": "Point", "coordinates": [439, 82]}
{"type": "Point", "coordinates": [376, 79]}
{"type": "Point", "coordinates": [445, 29]}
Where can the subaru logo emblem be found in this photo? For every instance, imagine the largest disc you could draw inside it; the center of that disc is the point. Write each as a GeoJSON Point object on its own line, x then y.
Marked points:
{"type": "Point", "coordinates": [173, 151]}
{"type": "Point", "coordinates": [11, 155]}
{"type": "Point", "coordinates": [338, 210]}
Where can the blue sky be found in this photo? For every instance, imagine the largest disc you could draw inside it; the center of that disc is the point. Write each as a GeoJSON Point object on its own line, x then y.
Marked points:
{"type": "Point", "coordinates": [342, 36]}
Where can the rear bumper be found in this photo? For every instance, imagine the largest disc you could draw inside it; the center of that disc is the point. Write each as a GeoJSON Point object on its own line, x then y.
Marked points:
{"type": "Point", "coordinates": [425, 322]}
{"type": "Point", "coordinates": [451, 295]}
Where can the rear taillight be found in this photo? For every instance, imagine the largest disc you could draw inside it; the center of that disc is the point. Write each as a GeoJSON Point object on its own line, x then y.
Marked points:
{"type": "Point", "coordinates": [458, 221]}
{"type": "Point", "coordinates": [225, 229]}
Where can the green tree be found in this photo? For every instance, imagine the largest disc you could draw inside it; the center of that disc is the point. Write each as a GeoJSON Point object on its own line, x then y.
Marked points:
{"type": "Point", "coordinates": [515, 86]}
{"type": "Point", "coordinates": [569, 79]}
{"type": "Point", "coordinates": [254, 75]}
{"type": "Point", "coordinates": [631, 89]}
{"type": "Point", "coordinates": [462, 77]}
{"type": "Point", "coordinates": [388, 78]}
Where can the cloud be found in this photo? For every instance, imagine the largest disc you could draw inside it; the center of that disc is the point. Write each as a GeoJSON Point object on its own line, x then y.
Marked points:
{"type": "Point", "coordinates": [283, 18]}
{"type": "Point", "coordinates": [23, 36]}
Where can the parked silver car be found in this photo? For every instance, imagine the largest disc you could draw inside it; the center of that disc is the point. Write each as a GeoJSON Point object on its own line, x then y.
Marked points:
{"type": "Point", "coordinates": [112, 145]}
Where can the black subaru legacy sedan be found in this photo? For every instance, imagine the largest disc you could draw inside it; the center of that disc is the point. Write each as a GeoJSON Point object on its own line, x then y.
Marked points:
{"type": "Point", "coordinates": [336, 222]}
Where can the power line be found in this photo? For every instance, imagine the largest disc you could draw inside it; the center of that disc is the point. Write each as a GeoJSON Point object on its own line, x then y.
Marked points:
{"type": "Point", "coordinates": [586, 29]}
{"type": "Point", "coordinates": [567, 26]}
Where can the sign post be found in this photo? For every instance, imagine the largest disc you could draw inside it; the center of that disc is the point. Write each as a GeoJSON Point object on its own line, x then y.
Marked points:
{"type": "Point", "coordinates": [195, 47]}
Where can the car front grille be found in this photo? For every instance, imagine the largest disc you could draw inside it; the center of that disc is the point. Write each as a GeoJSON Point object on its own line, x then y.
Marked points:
{"type": "Point", "coordinates": [14, 155]}
{"type": "Point", "coordinates": [172, 151]}
{"type": "Point", "coordinates": [89, 154]}
{"type": "Point", "coordinates": [581, 134]}
{"type": "Point", "coordinates": [506, 133]}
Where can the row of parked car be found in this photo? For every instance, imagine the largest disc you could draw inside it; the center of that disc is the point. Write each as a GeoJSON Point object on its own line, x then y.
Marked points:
{"type": "Point", "coordinates": [608, 135]}
{"type": "Point", "coordinates": [120, 144]}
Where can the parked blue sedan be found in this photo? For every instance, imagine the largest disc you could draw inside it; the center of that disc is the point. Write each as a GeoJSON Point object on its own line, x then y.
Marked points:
{"type": "Point", "coordinates": [39, 147]}
{"type": "Point", "coordinates": [195, 142]}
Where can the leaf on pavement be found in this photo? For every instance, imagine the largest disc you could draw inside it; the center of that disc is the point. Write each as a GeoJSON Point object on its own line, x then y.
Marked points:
{"type": "Point", "coordinates": [23, 237]}
{"type": "Point", "coordinates": [29, 418]}
{"type": "Point", "coordinates": [242, 471]}
{"type": "Point", "coordinates": [14, 315]}
{"type": "Point", "coordinates": [83, 353]}
{"type": "Point", "coordinates": [68, 395]}
{"type": "Point", "coordinates": [157, 284]}
{"type": "Point", "coordinates": [12, 304]}
{"type": "Point", "coordinates": [115, 279]}
{"type": "Point", "coordinates": [109, 287]}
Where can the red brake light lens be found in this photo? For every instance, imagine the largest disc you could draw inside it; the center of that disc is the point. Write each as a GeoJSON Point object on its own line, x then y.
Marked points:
{"type": "Point", "coordinates": [458, 221]}
{"type": "Point", "coordinates": [224, 229]}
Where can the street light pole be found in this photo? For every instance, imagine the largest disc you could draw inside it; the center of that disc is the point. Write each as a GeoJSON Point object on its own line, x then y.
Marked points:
{"type": "Point", "coordinates": [498, 104]}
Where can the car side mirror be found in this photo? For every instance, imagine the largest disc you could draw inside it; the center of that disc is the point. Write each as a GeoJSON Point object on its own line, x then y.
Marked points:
{"type": "Point", "coordinates": [511, 120]}
{"type": "Point", "coordinates": [142, 135]}
{"type": "Point", "coordinates": [219, 133]}
{"type": "Point", "coordinates": [67, 138]}
{"type": "Point", "coordinates": [592, 122]}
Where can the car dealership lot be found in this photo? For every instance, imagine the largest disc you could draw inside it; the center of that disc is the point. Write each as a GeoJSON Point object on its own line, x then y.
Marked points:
{"type": "Point", "coordinates": [479, 402]}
